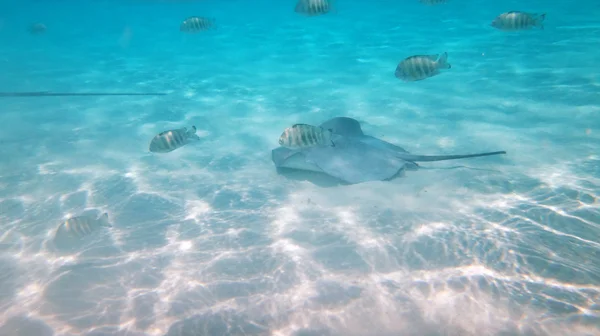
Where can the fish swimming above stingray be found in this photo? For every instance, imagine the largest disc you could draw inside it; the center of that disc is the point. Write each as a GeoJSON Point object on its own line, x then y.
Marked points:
{"type": "Point", "coordinates": [355, 157]}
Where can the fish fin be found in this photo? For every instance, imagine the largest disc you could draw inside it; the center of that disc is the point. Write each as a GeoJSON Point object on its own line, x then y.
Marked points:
{"type": "Point", "coordinates": [443, 61]}
{"type": "Point", "coordinates": [332, 143]}
{"type": "Point", "coordinates": [104, 220]}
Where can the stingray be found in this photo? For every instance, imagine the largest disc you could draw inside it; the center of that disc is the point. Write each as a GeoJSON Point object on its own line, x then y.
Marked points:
{"type": "Point", "coordinates": [356, 157]}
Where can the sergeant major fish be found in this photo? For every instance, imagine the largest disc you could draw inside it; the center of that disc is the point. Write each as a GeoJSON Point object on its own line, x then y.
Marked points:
{"type": "Point", "coordinates": [432, 2]}
{"type": "Point", "coordinates": [514, 20]}
{"type": "Point", "coordinates": [304, 136]}
{"type": "Point", "coordinates": [170, 140]}
{"type": "Point", "coordinates": [419, 67]}
{"type": "Point", "coordinates": [313, 7]}
{"type": "Point", "coordinates": [80, 226]}
{"type": "Point", "coordinates": [196, 24]}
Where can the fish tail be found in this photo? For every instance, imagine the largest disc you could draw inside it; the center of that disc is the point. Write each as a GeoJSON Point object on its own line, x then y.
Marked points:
{"type": "Point", "coordinates": [539, 21]}
{"type": "Point", "coordinates": [192, 134]}
{"type": "Point", "coordinates": [104, 220]}
{"type": "Point", "coordinates": [329, 134]}
{"type": "Point", "coordinates": [443, 61]}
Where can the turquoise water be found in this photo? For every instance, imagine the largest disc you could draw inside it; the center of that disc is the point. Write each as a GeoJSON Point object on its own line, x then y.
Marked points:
{"type": "Point", "coordinates": [210, 240]}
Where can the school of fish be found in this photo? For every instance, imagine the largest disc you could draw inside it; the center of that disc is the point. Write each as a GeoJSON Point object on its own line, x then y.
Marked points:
{"type": "Point", "coordinates": [410, 69]}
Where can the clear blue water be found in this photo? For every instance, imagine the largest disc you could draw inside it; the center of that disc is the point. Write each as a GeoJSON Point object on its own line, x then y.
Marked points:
{"type": "Point", "coordinates": [210, 240]}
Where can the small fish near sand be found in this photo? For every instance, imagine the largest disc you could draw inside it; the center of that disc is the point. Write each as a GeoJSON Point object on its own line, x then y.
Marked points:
{"type": "Point", "coordinates": [313, 7]}
{"type": "Point", "coordinates": [84, 225]}
{"type": "Point", "coordinates": [419, 67]}
{"type": "Point", "coordinates": [512, 21]}
{"type": "Point", "coordinates": [306, 136]}
{"type": "Point", "coordinates": [170, 140]}
{"type": "Point", "coordinates": [37, 28]}
{"type": "Point", "coordinates": [196, 24]}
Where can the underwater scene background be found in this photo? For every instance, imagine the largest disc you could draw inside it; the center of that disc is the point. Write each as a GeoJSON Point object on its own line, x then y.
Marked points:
{"type": "Point", "coordinates": [209, 239]}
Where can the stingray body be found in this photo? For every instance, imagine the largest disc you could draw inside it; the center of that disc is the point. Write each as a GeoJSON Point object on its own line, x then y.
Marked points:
{"type": "Point", "coordinates": [356, 157]}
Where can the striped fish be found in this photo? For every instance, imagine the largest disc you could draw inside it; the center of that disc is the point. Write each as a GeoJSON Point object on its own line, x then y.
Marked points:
{"type": "Point", "coordinates": [196, 24]}
{"type": "Point", "coordinates": [419, 67]}
{"type": "Point", "coordinates": [518, 21]}
{"type": "Point", "coordinates": [170, 140]}
{"type": "Point", "coordinates": [433, 2]}
{"type": "Point", "coordinates": [81, 226]}
{"type": "Point", "coordinates": [304, 136]}
{"type": "Point", "coordinates": [313, 7]}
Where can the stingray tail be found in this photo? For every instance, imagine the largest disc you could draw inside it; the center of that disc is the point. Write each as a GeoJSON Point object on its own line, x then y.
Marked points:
{"type": "Point", "coordinates": [428, 158]}
{"type": "Point", "coordinates": [458, 167]}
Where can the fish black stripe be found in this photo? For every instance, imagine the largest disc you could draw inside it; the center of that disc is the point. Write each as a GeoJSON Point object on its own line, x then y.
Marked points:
{"type": "Point", "coordinates": [172, 139]}
{"type": "Point", "coordinates": [85, 228]}
{"type": "Point", "coordinates": [74, 226]}
{"type": "Point", "coordinates": [295, 136]}
{"type": "Point", "coordinates": [309, 136]}
{"type": "Point", "coordinates": [167, 141]}
{"type": "Point", "coordinates": [415, 68]}
{"type": "Point", "coordinates": [163, 142]}
{"type": "Point", "coordinates": [314, 136]}
{"type": "Point", "coordinates": [423, 67]}
{"type": "Point", "coordinates": [321, 136]}
{"type": "Point", "coordinates": [175, 138]}
{"type": "Point", "coordinates": [431, 66]}
{"type": "Point", "coordinates": [180, 137]}
{"type": "Point", "coordinates": [303, 138]}
{"type": "Point", "coordinates": [318, 136]}
{"type": "Point", "coordinates": [299, 135]}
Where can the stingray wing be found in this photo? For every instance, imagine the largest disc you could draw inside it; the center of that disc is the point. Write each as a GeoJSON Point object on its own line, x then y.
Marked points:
{"type": "Point", "coordinates": [343, 126]}
{"type": "Point", "coordinates": [354, 161]}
